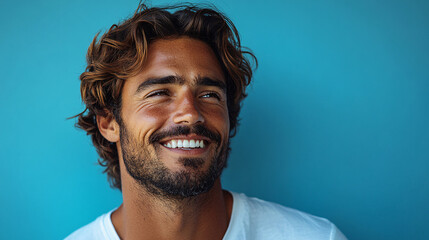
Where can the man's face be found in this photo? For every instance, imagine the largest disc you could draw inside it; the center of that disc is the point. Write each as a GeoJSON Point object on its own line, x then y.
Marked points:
{"type": "Point", "coordinates": [174, 133]}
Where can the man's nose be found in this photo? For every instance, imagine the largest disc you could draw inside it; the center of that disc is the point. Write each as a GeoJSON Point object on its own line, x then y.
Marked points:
{"type": "Point", "coordinates": [187, 111]}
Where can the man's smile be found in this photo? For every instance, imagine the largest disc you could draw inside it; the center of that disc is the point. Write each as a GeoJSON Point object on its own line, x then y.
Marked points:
{"type": "Point", "coordinates": [187, 144]}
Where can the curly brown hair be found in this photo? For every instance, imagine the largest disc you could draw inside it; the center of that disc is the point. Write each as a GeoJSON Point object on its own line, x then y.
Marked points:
{"type": "Point", "coordinates": [121, 52]}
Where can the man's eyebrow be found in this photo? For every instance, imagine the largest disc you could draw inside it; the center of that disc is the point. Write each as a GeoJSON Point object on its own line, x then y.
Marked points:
{"type": "Point", "coordinates": [206, 81]}
{"type": "Point", "coordinates": [162, 80]}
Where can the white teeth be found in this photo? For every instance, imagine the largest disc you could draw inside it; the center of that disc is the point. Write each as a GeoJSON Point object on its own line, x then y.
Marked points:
{"type": "Point", "coordinates": [185, 144]}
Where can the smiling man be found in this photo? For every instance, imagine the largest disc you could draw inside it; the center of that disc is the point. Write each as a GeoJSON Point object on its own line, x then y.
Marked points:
{"type": "Point", "coordinates": [162, 93]}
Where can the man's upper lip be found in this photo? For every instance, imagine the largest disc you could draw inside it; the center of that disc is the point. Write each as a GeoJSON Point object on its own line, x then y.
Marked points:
{"type": "Point", "coordinates": [185, 137]}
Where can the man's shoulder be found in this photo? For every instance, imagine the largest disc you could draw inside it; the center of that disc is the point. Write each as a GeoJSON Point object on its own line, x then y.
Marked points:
{"type": "Point", "coordinates": [263, 217]}
{"type": "Point", "coordinates": [97, 229]}
{"type": "Point", "coordinates": [261, 208]}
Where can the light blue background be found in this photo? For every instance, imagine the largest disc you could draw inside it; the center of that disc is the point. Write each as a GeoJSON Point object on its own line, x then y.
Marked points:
{"type": "Point", "coordinates": [336, 123]}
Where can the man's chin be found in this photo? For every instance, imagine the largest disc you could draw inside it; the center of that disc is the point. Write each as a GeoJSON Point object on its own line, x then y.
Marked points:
{"type": "Point", "coordinates": [183, 184]}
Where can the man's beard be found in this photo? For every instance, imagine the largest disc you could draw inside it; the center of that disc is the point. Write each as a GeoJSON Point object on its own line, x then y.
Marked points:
{"type": "Point", "coordinates": [150, 172]}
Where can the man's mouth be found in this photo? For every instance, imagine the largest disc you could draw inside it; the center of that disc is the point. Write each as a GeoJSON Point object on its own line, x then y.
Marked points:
{"type": "Point", "coordinates": [184, 143]}
{"type": "Point", "coordinates": [186, 140]}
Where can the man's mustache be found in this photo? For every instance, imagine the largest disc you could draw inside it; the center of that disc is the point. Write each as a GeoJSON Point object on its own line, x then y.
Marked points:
{"type": "Point", "coordinates": [199, 129]}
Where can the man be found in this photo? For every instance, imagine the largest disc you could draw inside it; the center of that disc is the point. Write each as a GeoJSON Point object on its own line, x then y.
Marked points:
{"type": "Point", "coordinates": [162, 93]}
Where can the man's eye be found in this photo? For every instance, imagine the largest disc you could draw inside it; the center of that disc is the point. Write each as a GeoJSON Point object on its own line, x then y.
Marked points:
{"type": "Point", "coordinates": [211, 95]}
{"type": "Point", "coordinates": [158, 93]}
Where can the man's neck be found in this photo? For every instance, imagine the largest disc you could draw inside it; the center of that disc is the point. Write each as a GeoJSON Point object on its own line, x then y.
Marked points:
{"type": "Point", "coordinates": [145, 216]}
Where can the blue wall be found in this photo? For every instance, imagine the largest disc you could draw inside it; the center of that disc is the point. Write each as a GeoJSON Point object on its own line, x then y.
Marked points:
{"type": "Point", "coordinates": [336, 122]}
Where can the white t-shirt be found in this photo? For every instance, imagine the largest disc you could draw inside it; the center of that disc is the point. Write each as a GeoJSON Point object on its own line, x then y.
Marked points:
{"type": "Point", "coordinates": [251, 219]}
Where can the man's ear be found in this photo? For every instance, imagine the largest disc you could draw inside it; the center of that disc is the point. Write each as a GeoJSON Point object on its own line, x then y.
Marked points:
{"type": "Point", "coordinates": [108, 127]}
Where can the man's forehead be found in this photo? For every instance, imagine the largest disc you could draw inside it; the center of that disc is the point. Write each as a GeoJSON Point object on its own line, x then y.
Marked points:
{"type": "Point", "coordinates": [174, 43]}
{"type": "Point", "coordinates": [184, 60]}
{"type": "Point", "coordinates": [181, 50]}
